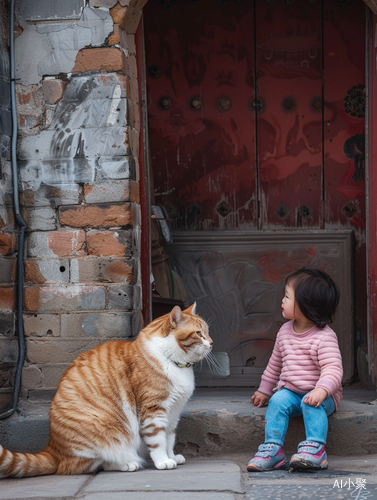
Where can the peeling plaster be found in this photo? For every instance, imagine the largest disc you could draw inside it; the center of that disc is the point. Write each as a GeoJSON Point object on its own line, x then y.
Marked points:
{"type": "Point", "coordinates": [51, 48]}
{"type": "Point", "coordinates": [86, 137]}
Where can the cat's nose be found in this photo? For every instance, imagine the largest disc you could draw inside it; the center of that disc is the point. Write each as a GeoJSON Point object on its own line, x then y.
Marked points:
{"type": "Point", "coordinates": [210, 341]}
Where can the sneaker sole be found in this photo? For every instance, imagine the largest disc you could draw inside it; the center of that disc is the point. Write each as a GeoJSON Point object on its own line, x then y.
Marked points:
{"type": "Point", "coordinates": [306, 464]}
{"type": "Point", "coordinates": [281, 465]}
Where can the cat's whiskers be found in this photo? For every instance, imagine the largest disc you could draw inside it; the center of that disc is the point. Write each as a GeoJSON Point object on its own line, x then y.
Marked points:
{"type": "Point", "coordinates": [213, 364]}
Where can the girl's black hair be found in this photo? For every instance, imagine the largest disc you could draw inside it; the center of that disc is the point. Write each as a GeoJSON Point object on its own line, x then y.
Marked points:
{"type": "Point", "coordinates": [316, 294]}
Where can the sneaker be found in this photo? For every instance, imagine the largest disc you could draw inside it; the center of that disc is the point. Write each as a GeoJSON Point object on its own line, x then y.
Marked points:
{"type": "Point", "coordinates": [269, 457]}
{"type": "Point", "coordinates": [310, 455]}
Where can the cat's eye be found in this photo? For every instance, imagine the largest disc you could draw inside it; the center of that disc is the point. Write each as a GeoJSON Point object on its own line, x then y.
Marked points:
{"type": "Point", "coordinates": [199, 333]}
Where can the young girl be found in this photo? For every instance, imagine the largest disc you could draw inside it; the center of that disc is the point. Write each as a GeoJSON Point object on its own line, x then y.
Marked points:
{"type": "Point", "coordinates": [303, 375]}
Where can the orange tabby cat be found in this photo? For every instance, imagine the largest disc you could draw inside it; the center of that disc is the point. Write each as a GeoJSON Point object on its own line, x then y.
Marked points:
{"type": "Point", "coordinates": [120, 400]}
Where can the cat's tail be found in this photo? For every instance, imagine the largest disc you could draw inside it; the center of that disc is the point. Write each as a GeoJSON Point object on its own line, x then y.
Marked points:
{"type": "Point", "coordinates": [27, 464]}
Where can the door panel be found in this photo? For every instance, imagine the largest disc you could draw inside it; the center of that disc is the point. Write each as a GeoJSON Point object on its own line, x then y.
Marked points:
{"type": "Point", "coordinates": [237, 280]}
{"type": "Point", "coordinates": [200, 77]}
{"type": "Point", "coordinates": [288, 39]}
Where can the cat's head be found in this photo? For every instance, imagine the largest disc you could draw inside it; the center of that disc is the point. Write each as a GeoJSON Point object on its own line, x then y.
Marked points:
{"type": "Point", "coordinates": [183, 335]}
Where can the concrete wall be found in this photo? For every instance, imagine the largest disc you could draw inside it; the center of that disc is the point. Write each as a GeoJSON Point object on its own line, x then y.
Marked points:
{"type": "Point", "coordinates": [79, 122]}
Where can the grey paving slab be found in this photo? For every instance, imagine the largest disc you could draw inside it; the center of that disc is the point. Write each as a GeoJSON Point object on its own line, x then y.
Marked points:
{"type": "Point", "coordinates": [309, 492]}
{"type": "Point", "coordinates": [166, 481]}
{"type": "Point", "coordinates": [162, 495]}
{"type": "Point", "coordinates": [222, 476]}
{"type": "Point", "coordinates": [41, 487]}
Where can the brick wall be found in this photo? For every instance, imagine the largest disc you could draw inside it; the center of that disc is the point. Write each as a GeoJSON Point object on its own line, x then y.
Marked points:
{"type": "Point", "coordinates": [79, 122]}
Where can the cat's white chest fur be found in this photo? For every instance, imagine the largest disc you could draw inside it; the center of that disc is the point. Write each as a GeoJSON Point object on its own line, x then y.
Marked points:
{"type": "Point", "coordinates": [181, 380]}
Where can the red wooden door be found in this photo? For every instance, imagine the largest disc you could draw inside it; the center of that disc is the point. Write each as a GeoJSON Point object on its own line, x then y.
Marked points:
{"type": "Point", "coordinates": [200, 66]}
{"type": "Point", "coordinates": [256, 125]}
{"type": "Point", "coordinates": [288, 43]}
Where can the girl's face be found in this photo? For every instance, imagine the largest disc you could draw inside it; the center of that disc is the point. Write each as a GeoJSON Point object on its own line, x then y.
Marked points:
{"type": "Point", "coordinates": [288, 303]}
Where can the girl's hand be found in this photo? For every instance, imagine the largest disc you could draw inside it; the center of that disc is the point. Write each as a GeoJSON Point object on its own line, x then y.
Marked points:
{"type": "Point", "coordinates": [316, 397]}
{"type": "Point", "coordinates": [259, 399]}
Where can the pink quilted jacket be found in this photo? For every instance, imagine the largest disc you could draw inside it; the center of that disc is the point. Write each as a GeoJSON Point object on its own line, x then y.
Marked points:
{"type": "Point", "coordinates": [303, 361]}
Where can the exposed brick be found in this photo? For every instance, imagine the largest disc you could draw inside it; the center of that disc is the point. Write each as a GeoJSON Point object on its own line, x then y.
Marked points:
{"type": "Point", "coordinates": [96, 215]}
{"type": "Point", "coordinates": [47, 271]}
{"type": "Point", "coordinates": [29, 108]}
{"type": "Point", "coordinates": [6, 398]}
{"type": "Point", "coordinates": [7, 244]}
{"type": "Point", "coordinates": [7, 299]}
{"type": "Point", "coordinates": [31, 377]}
{"type": "Point", "coordinates": [124, 298]}
{"type": "Point", "coordinates": [109, 191]}
{"type": "Point", "coordinates": [53, 90]}
{"type": "Point", "coordinates": [40, 396]}
{"type": "Point", "coordinates": [6, 375]}
{"type": "Point", "coordinates": [118, 12]}
{"type": "Point", "coordinates": [40, 219]}
{"type": "Point", "coordinates": [86, 270]}
{"type": "Point", "coordinates": [2, 222]}
{"type": "Point", "coordinates": [32, 272]}
{"type": "Point", "coordinates": [68, 298]}
{"type": "Point", "coordinates": [29, 123]}
{"type": "Point", "coordinates": [61, 243]}
{"type": "Point", "coordinates": [50, 196]}
{"type": "Point", "coordinates": [7, 324]}
{"type": "Point", "coordinates": [7, 270]}
{"type": "Point", "coordinates": [110, 243]}
{"type": "Point", "coordinates": [42, 325]}
{"type": "Point", "coordinates": [100, 59]}
{"type": "Point", "coordinates": [49, 351]}
{"type": "Point", "coordinates": [52, 374]}
{"type": "Point", "coordinates": [97, 325]}
{"type": "Point", "coordinates": [114, 37]}
{"type": "Point", "coordinates": [121, 167]}
{"type": "Point", "coordinates": [8, 351]}
{"type": "Point", "coordinates": [29, 98]}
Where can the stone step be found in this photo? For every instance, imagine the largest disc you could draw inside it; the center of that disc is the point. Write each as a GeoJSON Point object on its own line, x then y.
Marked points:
{"type": "Point", "coordinates": [220, 421]}
{"type": "Point", "coordinates": [223, 421]}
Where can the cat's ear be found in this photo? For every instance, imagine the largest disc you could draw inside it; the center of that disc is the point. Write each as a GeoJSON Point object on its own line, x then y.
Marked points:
{"type": "Point", "coordinates": [175, 316]}
{"type": "Point", "coordinates": [191, 309]}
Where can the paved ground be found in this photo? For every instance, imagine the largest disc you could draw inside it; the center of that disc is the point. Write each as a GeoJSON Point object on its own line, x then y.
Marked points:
{"type": "Point", "coordinates": [217, 431]}
{"type": "Point", "coordinates": [207, 479]}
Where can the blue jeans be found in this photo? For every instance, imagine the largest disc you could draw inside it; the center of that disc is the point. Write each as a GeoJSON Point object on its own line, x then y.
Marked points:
{"type": "Point", "coordinates": [284, 404]}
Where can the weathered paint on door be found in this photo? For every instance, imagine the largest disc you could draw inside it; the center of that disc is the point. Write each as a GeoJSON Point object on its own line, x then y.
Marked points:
{"type": "Point", "coordinates": [256, 122]}
{"type": "Point", "coordinates": [289, 126]}
{"type": "Point", "coordinates": [200, 78]}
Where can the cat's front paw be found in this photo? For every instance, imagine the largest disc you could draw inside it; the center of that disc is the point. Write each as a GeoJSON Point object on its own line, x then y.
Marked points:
{"type": "Point", "coordinates": [180, 459]}
{"type": "Point", "coordinates": [166, 464]}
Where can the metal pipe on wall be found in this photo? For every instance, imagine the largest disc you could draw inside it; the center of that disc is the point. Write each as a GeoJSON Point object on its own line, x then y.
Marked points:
{"type": "Point", "coordinates": [21, 224]}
